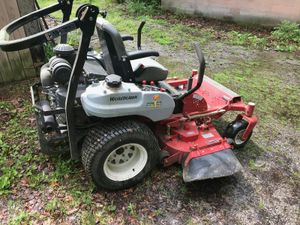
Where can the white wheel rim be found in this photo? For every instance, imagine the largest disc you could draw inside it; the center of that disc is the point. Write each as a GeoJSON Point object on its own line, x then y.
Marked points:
{"type": "Point", "coordinates": [238, 137]}
{"type": "Point", "coordinates": [125, 162]}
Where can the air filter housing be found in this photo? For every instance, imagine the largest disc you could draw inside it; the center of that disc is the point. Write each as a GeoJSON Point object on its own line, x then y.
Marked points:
{"type": "Point", "coordinates": [64, 50]}
{"type": "Point", "coordinates": [60, 69]}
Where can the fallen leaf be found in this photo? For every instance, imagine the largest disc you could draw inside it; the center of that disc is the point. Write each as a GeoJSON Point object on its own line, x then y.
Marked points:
{"type": "Point", "coordinates": [71, 211]}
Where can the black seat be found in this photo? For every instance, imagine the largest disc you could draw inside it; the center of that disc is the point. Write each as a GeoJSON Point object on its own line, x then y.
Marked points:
{"type": "Point", "coordinates": [133, 66]}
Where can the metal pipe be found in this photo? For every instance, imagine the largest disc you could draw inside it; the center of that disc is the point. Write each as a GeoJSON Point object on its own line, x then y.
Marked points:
{"type": "Point", "coordinates": [197, 116]}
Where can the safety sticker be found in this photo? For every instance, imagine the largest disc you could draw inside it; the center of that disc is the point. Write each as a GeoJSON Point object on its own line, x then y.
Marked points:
{"type": "Point", "coordinates": [197, 97]}
{"type": "Point", "coordinates": [155, 104]}
{"type": "Point", "coordinates": [207, 135]}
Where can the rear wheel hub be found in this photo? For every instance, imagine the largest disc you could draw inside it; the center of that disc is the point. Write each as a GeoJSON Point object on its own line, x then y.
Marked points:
{"type": "Point", "coordinates": [125, 162]}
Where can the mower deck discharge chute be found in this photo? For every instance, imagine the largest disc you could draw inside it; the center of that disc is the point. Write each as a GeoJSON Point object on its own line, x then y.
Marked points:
{"type": "Point", "coordinates": [219, 164]}
{"type": "Point", "coordinates": [119, 112]}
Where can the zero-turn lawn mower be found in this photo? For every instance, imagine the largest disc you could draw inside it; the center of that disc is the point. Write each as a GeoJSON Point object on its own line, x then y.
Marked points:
{"type": "Point", "coordinates": [119, 113]}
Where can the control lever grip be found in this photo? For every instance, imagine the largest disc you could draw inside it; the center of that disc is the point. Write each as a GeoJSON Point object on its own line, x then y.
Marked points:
{"type": "Point", "coordinates": [139, 37]}
{"type": "Point", "coordinates": [200, 73]}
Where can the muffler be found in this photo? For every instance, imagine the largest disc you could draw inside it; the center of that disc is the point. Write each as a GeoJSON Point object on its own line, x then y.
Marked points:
{"type": "Point", "coordinates": [48, 122]}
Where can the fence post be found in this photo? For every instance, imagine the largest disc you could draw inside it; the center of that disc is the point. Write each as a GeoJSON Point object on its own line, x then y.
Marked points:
{"type": "Point", "coordinates": [21, 64]}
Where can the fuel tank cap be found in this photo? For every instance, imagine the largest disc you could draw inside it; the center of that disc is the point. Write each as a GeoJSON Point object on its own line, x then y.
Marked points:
{"type": "Point", "coordinates": [113, 81]}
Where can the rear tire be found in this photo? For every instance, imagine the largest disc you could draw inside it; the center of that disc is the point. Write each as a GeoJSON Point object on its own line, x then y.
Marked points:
{"type": "Point", "coordinates": [120, 154]}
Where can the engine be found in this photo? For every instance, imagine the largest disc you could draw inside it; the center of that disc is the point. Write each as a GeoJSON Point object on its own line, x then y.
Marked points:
{"type": "Point", "coordinates": [55, 76]}
{"type": "Point", "coordinates": [100, 95]}
{"type": "Point", "coordinates": [58, 69]}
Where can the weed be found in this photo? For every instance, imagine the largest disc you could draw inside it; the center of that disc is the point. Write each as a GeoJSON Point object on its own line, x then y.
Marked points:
{"type": "Point", "coordinates": [296, 177]}
{"type": "Point", "coordinates": [55, 206]}
{"type": "Point", "coordinates": [87, 218]}
{"type": "Point", "coordinates": [287, 36]}
{"type": "Point", "coordinates": [80, 197]}
{"type": "Point", "coordinates": [74, 38]}
{"type": "Point", "coordinates": [62, 168]}
{"type": "Point", "coordinates": [7, 178]}
{"type": "Point", "coordinates": [131, 208]}
{"type": "Point", "coordinates": [143, 7]}
{"type": "Point", "coordinates": [21, 218]}
{"type": "Point", "coordinates": [261, 204]}
{"type": "Point", "coordinates": [158, 212]}
{"type": "Point", "coordinates": [9, 173]}
{"type": "Point", "coordinates": [252, 165]}
{"type": "Point", "coordinates": [184, 189]}
{"type": "Point", "coordinates": [48, 49]}
{"type": "Point", "coordinates": [245, 39]}
{"type": "Point", "coordinates": [287, 31]}
{"type": "Point", "coordinates": [111, 207]}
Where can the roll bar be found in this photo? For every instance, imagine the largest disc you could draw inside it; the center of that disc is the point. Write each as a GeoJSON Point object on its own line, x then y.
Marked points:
{"type": "Point", "coordinates": [13, 45]}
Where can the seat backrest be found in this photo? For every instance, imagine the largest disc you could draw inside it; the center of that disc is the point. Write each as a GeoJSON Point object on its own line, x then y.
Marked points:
{"type": "Point", "coordinates": [114, 52]}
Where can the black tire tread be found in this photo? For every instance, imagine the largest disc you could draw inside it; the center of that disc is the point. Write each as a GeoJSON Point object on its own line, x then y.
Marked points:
{"type": "Point", "coordinates": [100, 136]}
{"type": "Point", "coordinates": [241, 124]}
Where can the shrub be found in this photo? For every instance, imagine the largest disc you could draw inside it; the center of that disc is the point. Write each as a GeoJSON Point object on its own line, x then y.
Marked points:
{"type": "Point", "coordinates": [149, 7]}
{"type": "Point", "coordinates": [286, 32]}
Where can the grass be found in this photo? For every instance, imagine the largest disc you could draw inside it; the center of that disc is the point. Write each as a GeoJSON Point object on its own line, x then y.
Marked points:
{"type": "Point", "coordinates": [15, 166]}
{"type": "Point", "coordinates": [272, 94]}
{"type": "Point", "coordinates": [12, 163]}
{"type": "Point", "coordinates": [23, 167]}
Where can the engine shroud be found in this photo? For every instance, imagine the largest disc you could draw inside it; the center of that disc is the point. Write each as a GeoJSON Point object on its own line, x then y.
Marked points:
{"type": "Point", "coordinates": [100, 100]}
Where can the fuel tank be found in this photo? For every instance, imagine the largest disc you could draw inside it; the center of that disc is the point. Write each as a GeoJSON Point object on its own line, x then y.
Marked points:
{"type": "Point", "coordinates": [127, 99]}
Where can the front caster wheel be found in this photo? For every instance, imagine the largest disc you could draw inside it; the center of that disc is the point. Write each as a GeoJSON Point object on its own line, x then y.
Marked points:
{"type": "Point", "coordinates": [235, 131]}
{"type": "Point", "coordinates": [119, 155]}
